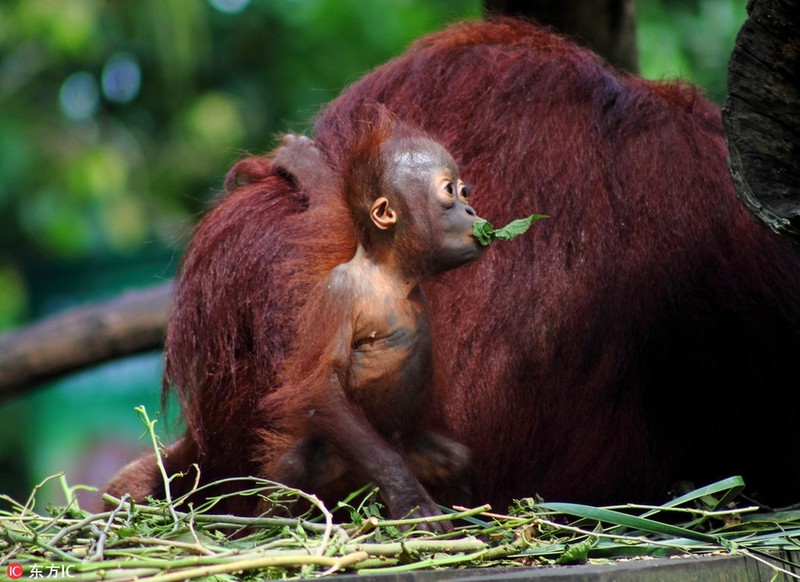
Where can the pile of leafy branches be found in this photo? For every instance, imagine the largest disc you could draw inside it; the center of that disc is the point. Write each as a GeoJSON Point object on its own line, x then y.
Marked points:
{"type": "Point", "coordinates": [173, 540]}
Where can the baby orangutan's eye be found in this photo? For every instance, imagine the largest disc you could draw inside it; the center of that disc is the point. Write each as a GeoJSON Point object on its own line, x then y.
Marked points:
{"type": "Point", "coordinates": [466, 189]}
{"type": "Point", "coordinates": [449, 188]}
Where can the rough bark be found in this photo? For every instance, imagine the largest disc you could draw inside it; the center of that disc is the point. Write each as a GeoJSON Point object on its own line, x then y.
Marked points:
{"type": "Point", "coordinates": [605, 26]}
{"type": "Point", "coordinates": [132, 323]}
{"type": "Point", "coordinates": [762, 114]}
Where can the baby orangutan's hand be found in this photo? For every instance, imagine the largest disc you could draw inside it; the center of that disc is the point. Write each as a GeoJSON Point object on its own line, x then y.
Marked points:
{"type": "Point", "coordinates": [303, 164]}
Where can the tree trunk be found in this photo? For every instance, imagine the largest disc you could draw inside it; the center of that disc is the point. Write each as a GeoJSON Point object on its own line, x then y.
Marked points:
{"type": "Point", "coordinates": [605, 26]}
{"type": "Point", "coordinates": [762, 114]}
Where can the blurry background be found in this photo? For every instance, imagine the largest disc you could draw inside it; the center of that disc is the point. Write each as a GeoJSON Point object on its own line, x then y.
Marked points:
{"type": "Point", "coordinates": [118, 121]}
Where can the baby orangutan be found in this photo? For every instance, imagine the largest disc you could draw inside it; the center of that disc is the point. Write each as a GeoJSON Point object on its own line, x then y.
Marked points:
{"type": "Point", "coordinates": [353, 392]}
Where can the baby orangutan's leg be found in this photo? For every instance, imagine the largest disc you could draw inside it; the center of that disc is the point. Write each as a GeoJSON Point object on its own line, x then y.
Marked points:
{"type": "Point", "coordinates": [313, 466]}
{"type": "Point", "coordinates": [443, 466]}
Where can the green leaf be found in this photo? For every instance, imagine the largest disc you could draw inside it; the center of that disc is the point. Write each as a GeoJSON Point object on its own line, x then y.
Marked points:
{"type": "Point", "coordinates": [486, 233]}
{"type": "Point", "coordinates": [483, 229]}
{"type": "Point", "coordinates": [730, 488]}
{"type": "Point", "coordinates": [630, 521]}
{"type": "Point", "coordinates": [577, 553]}
{"type": "Point", "coordinates": [517, 227]}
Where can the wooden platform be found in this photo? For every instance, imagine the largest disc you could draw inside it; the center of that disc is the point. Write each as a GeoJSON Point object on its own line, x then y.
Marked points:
{"type": "Point", "coordinates": [688, 569]}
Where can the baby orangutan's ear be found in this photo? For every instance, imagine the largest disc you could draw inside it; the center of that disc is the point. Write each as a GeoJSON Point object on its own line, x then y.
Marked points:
{"type": "Point", "coordinates": [382, 215]}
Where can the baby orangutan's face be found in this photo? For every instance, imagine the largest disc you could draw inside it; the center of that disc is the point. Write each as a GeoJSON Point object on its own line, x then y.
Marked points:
{"type": "Point", "coordinates": [425, 175]}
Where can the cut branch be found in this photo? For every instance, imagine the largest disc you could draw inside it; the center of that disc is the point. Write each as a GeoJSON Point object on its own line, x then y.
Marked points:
{"type": "Point", "coordinates": [762, 115]}
{"type": "Point", "coordinates": [132, 323]}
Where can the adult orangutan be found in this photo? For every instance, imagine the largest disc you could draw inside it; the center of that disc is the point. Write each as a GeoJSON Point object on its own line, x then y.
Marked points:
{"type": "Point", "coordinates": [647, 333]}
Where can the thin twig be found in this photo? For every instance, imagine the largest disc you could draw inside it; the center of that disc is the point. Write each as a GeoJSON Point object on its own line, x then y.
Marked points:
{"type": "Point", "coordinates": [257, 563]}
{"type": "Point", "coordinates": [150, 424]}
{"type": "Point", "coordinates": [768, 562]}
{"type": "Point", "coordinates": [101, 539]}
{"type": "Point", "coordinates": [197, 547]}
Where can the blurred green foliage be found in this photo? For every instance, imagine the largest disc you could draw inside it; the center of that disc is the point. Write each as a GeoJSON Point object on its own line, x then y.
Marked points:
{"type": "Point", "coordinates": [691, 39]}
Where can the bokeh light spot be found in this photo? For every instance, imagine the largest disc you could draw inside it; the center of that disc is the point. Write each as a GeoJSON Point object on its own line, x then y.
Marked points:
{"type": "Point", "coordinates": [229, 6]}
{"type": "Point", "coordinates": [79, 96]}
{"type": "Point", "coordinates": [122, 78]}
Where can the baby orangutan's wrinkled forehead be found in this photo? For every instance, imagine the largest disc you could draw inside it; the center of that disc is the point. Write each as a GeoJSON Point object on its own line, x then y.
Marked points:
{"type": "Point", "coordinates": [417, 157]}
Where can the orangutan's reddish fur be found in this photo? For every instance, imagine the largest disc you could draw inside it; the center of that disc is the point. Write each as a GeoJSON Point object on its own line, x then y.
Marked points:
{"type": "Point", "coordinates": [648, 332]}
